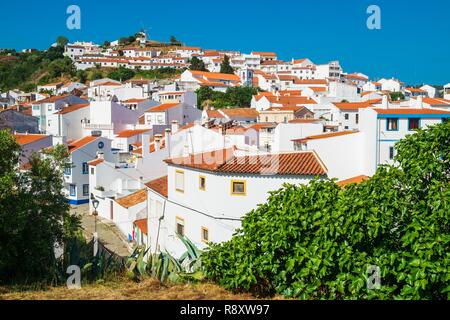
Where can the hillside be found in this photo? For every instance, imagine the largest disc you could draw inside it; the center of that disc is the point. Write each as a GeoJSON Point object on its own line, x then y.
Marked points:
{"type": "Point", "coordinates": [125, 289]}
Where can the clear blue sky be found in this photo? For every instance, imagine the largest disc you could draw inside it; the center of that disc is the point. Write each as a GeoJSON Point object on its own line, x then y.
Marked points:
{"type": "Point", "coordinates": [413, 44]}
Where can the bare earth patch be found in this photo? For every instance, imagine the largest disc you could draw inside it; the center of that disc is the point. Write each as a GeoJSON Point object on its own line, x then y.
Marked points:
{"type": "Point", "coordinates": [148, 289]}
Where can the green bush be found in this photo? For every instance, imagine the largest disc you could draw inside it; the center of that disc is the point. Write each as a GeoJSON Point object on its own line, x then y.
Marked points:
{"type": "Point", "coordinates": [317, 241]}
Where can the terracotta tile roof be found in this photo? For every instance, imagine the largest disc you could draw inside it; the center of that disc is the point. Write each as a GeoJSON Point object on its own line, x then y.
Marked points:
{"type": "Point", "coordinates": [131, 133]}
{"type": "Point", "coordinates": [134, 100]}
{"type": "Point", "coordinates": [95, 162]}
{"type": "Point", "coordinates": [224, 161]}
{"type": "Point", "coordinates": [216, 75]}
{"type": "Point", "coordinates": [288, 100]}
{"type": "Point", "coordinates": [356, 76]}
{"type": "Point", "coordinates": [326, 135]}
{"type": "Point", "coordinates": [264, 54]}
{"type": "Point", "coordinates": [415, 90]}
{"type": "Point", "coordinates": [214, 114]}
{"type": "Point", "coordinates": [73, 108]}
{"type": "Point", "coordinates": [311, 81]}
{"type": "Point", "coordinates": [412, 111]}
{"type": "Point", "coordinates": [51, 99]}
{"type": "Point", "coordinates": [133, 199]}
{"type": "Point", "coordinates": [241, 112]}
{"type": "Point", "coordinates": [142, 225]}
{"type": "Point", "coordinates": [259, 126]}
{"type": "Point", "coordinates": [285, 108]}
{"type": "Point", "coordinates": [75, 145]}
{"type": "Point", "coordinates": [352, 105]}
{"type": "Point", "coordinates": [436, 101]}
{"type": "Point", "coordinates": [159, 185]}
{"type": "Point", "coordinates": [163, 107]}
{"type": "Point", "coordinates": [24, 139]}
{"type": "Point", "coordinates": [357, 179]}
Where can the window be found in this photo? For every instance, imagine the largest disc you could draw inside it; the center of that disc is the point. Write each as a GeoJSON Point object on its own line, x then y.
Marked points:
{"type": "Point", "coordinates": [85, 168]}
{"type": "Point", "coordinates": [92, 171]}
{"type": "Point", "coordinates": [346, 127]}
{"type": "Point", "coordinates": [85, 190]}
{"type": "Point", "coordinates": [160, 119]}
{"type": "Point", "coordinates": [49, 108]}
{"type": "Point", "coordinates": [346, 116]}
{"type": "Point", "coordinates": [180, 226]}
{"type": "Point", "coordinates": [413, 124]}
{"type": "Point", "coordinates": [202, 183]}
{"type": "Point", "coordinates": [238, 188]}
{"type": "Point", "coordinates": [68, 169]}
{"type": "Point", "coordinates": [391, 153]}
{"type": "Point", "coordinates": [179, 181]}
{"type": "Point", "coordinates": [73, 190]}
{"type": "Point", "coordinates": [357, 118]}
{"type": "Point", "coordinates": [205, 234]}
{"type": "Point", "coordinates": [392, 124]}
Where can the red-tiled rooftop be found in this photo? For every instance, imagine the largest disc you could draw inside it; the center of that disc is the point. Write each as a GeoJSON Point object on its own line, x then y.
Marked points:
{"type": "Point", "coordinates": [357, 179]}
{"type": "Point", "coordinates": [352, 105]}
{"type": "Point", "coordinates": [73, 108]}
{"type": "Point", "coordinates": [163, 107]}
{"type": "Point", "coordinates": [326, 135]}
{"type": "Point", "coordinates": [159, 185]}
{"type": "Point", "coordinates": [142, 225]}
{"type": "Point", "coordinates": [75, 145]}
{"type": "Point", "coordinates": [24, 138]}
{"type": "Point", "coordinates": [131, 133]}
{"type": "Point", "coordinates": [225, 161]}
{"type": "Point", "coordinates": [412, 111]}
{"type": "Point", "coordinates": [133, 199]}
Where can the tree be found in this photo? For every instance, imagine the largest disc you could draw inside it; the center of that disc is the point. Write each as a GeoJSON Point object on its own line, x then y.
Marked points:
{"type": "Point", "coordinates": [61, 66]}
{"type": "Point", "coordinates": [121, 74]}
{"type": "Point", "coordinates": [197, 64]}
{"type": "Point", "coordinates": [62, 41]}
{"type": "Point", "coordinates": [174, 40]}
{"type": "Point", "coordinates": [225, 66]}
{"type": "Point", "coordinates": [397, 96]}
{"type": "Point", "coordinates": [34, 213]}
{"type": "Point", "coordinates": [317, 241]}
{"type": "Point", "coordinates": [106, 44]}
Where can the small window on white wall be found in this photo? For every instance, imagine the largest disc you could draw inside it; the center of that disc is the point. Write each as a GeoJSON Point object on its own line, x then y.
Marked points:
{"type": "Point", "coordinates": [179, 181]}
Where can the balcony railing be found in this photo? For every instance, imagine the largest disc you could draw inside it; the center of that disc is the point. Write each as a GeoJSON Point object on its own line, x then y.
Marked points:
{"type": "Point", "coordinates": [94, 126]}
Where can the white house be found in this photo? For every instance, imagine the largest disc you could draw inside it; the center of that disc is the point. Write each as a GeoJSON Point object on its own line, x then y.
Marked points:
{"type": "Point", "coordinates": [67, 124]}
{"type": "Point", "coordinates": [209, 193]}
{"type": "Point", "coordinates": [76, 176]}
{"type": "Point", "coordinates": [392, 85]}
{"type": "Point", "coordinates": [31, 143]}
{"type": "Point", "coordinates": [431, 91]}
{"type": "Point", "coordinates": [447, 91]}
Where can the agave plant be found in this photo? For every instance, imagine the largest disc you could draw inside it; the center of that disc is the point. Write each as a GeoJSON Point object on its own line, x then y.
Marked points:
{"type": "Point", "coordinates": [163, 266]}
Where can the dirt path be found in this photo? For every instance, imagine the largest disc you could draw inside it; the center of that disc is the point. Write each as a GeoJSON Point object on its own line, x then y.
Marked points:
{"type": "Point", "coordinates": [107, 231]}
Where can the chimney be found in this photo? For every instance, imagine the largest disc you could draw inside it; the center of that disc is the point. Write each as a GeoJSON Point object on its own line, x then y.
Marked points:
{"type": "Point", "coordinates": [175, 126]}
{"type": "Point", "coordinates": [385, 102]}
{"type": "Point", "coordinates": [420, 101]}
{"type": "Point", "coordinates": [167, 136]}
{"type": "Point", "coordinates": [145, 145]}
{"type": "Point", "coordinates": [100, 155]}
{"type": "Point", "coordinates": [158, 138]}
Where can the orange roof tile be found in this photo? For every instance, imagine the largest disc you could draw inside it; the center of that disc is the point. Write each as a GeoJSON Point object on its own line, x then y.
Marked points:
{"type": "Point", "coordinates": [357, 179]}
{"type": "Point", "coordinates": [241, 112]}
{"type": "Point", "coordinates": [131, 133]}
{"type": "Point", "coordinates": [133, 199]}
{"type": "Point", "coordinates": [95, 162]}
{"type": "Point", "coordinates": [73, 108]}
{"type": "Point", "coordinates": [216, 75]}
{"type": "Point", "coordinates": [352, 105]}
{"type": "Point", "coordinates": [24, 139]}
{"type": "Point", "coordinates": [224, 161]}
{"type": "Point", "coordinates": [159, 185]}
{"type": "Point", "coordinates": [412, 111]}
{"type": "Point", "coordinates": [75, 145]}
{"type": "Point", "coordinates": [142, 225]}
{"type": "Point", "coordinates": [325, 136]}
{"type": "Point", "coordinates": [163, 107]}
{"type": "Point", "coordinates": [306, 120]}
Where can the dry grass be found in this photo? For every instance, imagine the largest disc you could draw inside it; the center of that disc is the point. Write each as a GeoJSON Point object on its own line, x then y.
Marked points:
{"type": "Point", "coordinates": [148, 289]}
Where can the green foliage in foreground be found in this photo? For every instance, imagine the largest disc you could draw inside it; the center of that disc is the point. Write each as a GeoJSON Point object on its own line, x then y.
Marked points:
{"type": "Point", "coordinates": [34, 213]}
{"type": "Point", "coordinates": [317, 241]}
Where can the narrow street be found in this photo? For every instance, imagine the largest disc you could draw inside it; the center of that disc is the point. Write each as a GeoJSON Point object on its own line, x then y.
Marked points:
{"type": "Point", "coordinates": [107, 231]}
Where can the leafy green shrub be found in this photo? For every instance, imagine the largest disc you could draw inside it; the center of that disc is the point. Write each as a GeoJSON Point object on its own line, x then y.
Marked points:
{"type": "Point", "coordinates": [317, 241]}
